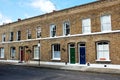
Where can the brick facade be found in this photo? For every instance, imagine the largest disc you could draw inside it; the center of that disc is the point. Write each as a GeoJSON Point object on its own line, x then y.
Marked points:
{"type": "Point", "coordinates": [74, 15]}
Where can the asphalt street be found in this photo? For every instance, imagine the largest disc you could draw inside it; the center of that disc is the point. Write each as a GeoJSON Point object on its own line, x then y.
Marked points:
{"type": "Point", "coordinates": [12, 72]}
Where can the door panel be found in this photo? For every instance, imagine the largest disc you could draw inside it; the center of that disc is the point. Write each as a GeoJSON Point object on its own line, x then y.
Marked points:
{"type": "Point", "coordinates": [82, 55]}
{"type": "Point", "coordinates": [72, 55]}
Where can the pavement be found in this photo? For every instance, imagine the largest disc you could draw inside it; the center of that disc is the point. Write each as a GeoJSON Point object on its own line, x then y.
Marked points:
{"type": "Point", "coordinates": [100, 68]}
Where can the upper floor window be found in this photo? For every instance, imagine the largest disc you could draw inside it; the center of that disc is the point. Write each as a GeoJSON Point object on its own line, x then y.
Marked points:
{"type": "Point", "coordinates": [11, 36]}
{"type": "Point", "coordinates": [106, 23]}
{"type": "Point", "coordinates": [56, 51]}
{"type": "Point", "coordinates": [29, 34]}
{"type": "Point", "coordinates": [3, 37]}
{"type": "Point", "coordinates": [52, 30]}
{"type": "Point", "coordinates": [18, 35]}
{"type": "Point", "coordinates": [86, 25]}
{"type": "Point", "coordinates": [38, 32]}
{"type": "Point", "coordinates": [66, 28]}
{"type": "Point", "coordinates": [103, 51]}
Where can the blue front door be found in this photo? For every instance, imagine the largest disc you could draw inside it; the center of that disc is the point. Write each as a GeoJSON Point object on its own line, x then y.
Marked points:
{"type": "Point", "coordinates": [82, 55]}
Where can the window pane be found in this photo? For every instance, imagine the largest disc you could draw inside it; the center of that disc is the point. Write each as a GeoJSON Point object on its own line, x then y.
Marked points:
{"type": "Point", "coordinates": [106, 47]}
{"type": "Point", "coordinates": [82, 44]}
{"type": "Point", "coordinates": [100, 47]}
{"type": "Point", "coordinates": [57, 54]}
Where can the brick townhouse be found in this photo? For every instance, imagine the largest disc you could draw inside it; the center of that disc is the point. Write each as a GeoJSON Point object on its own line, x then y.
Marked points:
{"type": "Point", "coordinates": [81, 34]}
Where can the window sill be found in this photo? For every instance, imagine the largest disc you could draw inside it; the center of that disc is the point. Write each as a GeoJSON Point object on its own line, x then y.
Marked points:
{"type": "Point", "coordinates": [36, 58]}
{"type": "Point", "coordinates": [103, 60]}
{"type": "Point", "coordinates": [56, 59]}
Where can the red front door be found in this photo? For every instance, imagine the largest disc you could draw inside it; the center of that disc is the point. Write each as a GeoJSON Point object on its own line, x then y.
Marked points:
{"type": "Point", "coordinates": [21, 54]}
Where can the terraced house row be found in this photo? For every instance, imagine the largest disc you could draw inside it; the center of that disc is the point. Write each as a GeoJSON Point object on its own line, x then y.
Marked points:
{"type": "Point", "coordinates": [81, 34]}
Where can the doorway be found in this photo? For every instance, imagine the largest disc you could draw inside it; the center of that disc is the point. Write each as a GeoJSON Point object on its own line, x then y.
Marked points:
{"type": "Point", "coordinates": [82, 53]}
{"type": "Point", "coordinates": [72, 53]}
{"type": "Point", "coordinates": [21, 54]}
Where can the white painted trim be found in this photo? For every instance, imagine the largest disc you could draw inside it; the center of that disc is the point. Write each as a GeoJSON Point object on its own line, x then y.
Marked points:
{"type": "Point", "coordinates": [103, 60]}
{"type": "Point", "coordinates": [56, 59]}
{"type": "Point", "coordinates": [75, 35]}
{"type": "Point", "coordinates": [69, 52]}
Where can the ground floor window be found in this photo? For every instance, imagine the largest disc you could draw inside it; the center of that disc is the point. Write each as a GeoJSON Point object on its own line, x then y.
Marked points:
{"type": "Point", "coordinates": [103, 51]}
{"type": "Point", "coordinates": [13, 52]}
{"type": "Point", "coordinates": [56, 51]}
{"type": "Point", "coordinates": [36, 52]}
{"type": "Point", "coordinates": [1, 52]}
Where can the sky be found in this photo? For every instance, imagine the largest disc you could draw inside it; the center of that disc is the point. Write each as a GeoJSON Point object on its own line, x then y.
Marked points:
{"type": "Point", "coordinates": [11, 10]}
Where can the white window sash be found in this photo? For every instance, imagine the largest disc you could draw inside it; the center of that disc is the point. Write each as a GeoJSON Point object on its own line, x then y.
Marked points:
{"type": "Point", "coordinates": [103, 51]}
{"type": "Point", "coordinates": [65, 28]}
{"type": "Point", "coordinates": [3, 36]}
{"type": "Point", "coordinates": [52, 30]}
{"type": "Point", "coordinates": [36, 52]}
{"type": "Point", "coordinates": [13, 53]}
{"type": "Point", "coordinates": [2, 53]}
{"type": "Point", "coordinates": [106, 23]}
{"type": "Point", "coordinates": [86, 25]}
{"type": "Point", "coordinates": [55, 54]}
{"type": "Point", "coordinates": [38, 32]}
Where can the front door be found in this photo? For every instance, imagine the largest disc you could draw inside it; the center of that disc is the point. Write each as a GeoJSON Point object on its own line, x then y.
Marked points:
{"type": "Point", "coordinates": [72, 53]}
{"type": "Point", "coordinates": [82, 53]}
{"type": "Point", "coordinates": [21, 54]}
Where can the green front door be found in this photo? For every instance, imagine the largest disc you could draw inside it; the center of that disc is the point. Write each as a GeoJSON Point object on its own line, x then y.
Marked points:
{"type": "Point", "coordinates": [72, 55]}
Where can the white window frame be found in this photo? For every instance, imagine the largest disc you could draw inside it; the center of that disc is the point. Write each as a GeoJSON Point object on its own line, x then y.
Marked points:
{"type": "Point", "coordinates": [36, 52]}
{"type": "Point", "coordinates": [52, 30]}
{"type": "Point", "coordinates": [56, 52]}
{"type": "Point", "coordinates": [29, 33]}
{"type": "Point", "coordinates": [103, 53]}
{"type": "Point", "coordinates": [11, 36]}
{"type": "Point", "coordinates": [2, 53]}
{"type": "Point", "coordinates": [86, 25]}
{"type": "Point", "coordinates": [38, 31]}
{"type": "Point", "coordinates": [3, 37]}
{"type": "Point", "coordinates": [18, 35]}
{"type": "Point", "coordinates": [12, 52]}
{"type": "Point", "coordinates": [65, 28]}
{"type": "Point", "coordinates": [106, 23]}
